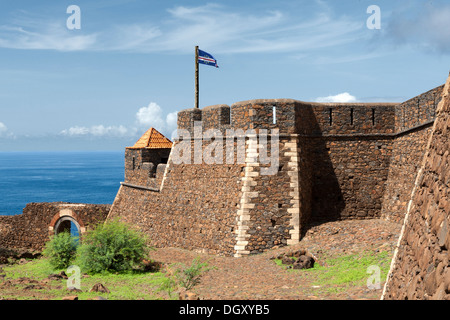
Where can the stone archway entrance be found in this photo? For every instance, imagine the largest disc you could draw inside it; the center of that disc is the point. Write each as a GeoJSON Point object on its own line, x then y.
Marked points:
{"type": "Point", "coordinates": [66, 220]}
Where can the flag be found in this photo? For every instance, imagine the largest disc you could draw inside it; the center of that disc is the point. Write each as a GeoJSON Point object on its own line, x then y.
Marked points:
{"type": "Point", "coordinates": [206, 58]}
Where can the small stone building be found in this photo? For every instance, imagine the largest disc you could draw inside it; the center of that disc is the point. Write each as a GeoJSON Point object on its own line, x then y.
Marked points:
{"type": "Point", "coordinates": [146, 160]}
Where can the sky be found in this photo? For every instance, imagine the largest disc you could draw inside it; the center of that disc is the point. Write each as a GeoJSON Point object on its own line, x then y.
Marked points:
{"type": "Point", "coordinates": [96, 74]}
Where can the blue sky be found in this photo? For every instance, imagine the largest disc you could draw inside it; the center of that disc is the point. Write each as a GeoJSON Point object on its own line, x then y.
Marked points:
{"type": "Point", "coordinates": [131, 64]}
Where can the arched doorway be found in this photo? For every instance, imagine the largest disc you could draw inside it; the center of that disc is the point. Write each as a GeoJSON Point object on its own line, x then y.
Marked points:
{"type": "Point", "coordinates": [66, 220]}
{"type": "Point", "coordinates": [67, 224]}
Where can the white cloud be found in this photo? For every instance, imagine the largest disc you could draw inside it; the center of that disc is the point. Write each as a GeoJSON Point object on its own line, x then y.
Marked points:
{"type": "Point", "coordinates": [341, 97]}
{"type": "Point", "coordinates": [146, 117]}
{"type": "Point", "coordinates": [211, 26]}
{"type": "Point", "coordinates": [47, 36]}
{"type": "Point", "coordinates": [97, 131]}
{"type": "Point", "coordinates": [3, 128]}
{"type": "Point", "coordinates": [152, 116]}
{"type": "Point", "coordinates": [5, 132]}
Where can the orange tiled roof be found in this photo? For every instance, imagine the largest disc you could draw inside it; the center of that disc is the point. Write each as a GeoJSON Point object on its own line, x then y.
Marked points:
{"type": "Point", "coordinates": [152, 139]}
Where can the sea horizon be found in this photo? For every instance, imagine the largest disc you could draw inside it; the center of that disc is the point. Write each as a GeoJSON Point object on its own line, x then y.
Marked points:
{"type": "Point", "coordinates": [58, 176]}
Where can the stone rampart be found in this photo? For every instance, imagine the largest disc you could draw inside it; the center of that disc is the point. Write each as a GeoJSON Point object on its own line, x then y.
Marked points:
{"type": "Point", "coordinates": [420, 268]}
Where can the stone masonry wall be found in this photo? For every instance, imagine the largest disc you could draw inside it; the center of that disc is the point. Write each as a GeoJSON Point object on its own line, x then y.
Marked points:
{"type": "Point", "coordinates": [421, 267]}
{"type": "Point", "coordinates": [414, 119]}
{"type": "Point", "coordinates": [144, 167]}
{"type": "Point", "coordinates": [407, 154]}
{"type": "Point", "coordinates": [350, 147]}
{"type": "Point", "coordinates": [349, 176]}
{"type": "Point", "coordinates": [30, 230]}
{"type": "Point", "coordinates": [195, 209]}
{"type": "Point", "coordinates": [335, 163]}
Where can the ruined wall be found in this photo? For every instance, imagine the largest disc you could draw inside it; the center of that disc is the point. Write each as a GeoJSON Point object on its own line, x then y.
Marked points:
{"type": "Point", "coordinates": [30, 230]}
{"type": "Point", "coordinates": [420, 268]}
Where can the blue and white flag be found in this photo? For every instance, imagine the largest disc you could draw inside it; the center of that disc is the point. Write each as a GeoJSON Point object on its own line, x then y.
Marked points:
{"type": "Point", "coordinates": [206, 58]}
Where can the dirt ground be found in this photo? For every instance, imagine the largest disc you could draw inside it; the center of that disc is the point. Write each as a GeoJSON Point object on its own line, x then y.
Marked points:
{"type": "Point", "coordinates": [258, 277]}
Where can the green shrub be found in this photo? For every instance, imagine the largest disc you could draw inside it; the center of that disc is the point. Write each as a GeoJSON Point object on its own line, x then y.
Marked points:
{"type": "Point", "coordinates": [190, 276]}
{"type": "Point", "coordinates": [179, 275]}
{"type": "Point", "coordinates": [111, 247]}
{"type": "Point", "coordinates": [61, 250]}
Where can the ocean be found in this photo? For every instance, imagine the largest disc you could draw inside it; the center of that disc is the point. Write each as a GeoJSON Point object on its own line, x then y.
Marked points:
{"type": "Point", "coordinates": [77, 177]}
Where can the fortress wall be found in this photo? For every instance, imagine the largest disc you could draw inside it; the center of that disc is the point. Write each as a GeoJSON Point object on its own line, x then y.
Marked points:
{"type": "Point", "coordinates": [274, 206]}
{"type": "Point", "coordinates": [216, 117]}
{"type": "Point", "coordinates": [420, 268]}
{"type": "Point", "coordinates": [413, 120]}
{"type": "Point", "coordinates": [30, 230]}
{"type": "Point", "coordinates": [350, 156]}
{"type": "Point", "coordinates": [196, 208]}
{"type": "Point", "coordinates": [349, 176]}
{"type": "Point", "coordinates": [407, 154]}
{"type": "Point", "coordinates": [418, 110]}
{"type": "Point", "coordinates": [351, 118]}
{"type": "Point", "coordinates": [143, 166]}
{"type": "Point", "coordinates": [259, 114]}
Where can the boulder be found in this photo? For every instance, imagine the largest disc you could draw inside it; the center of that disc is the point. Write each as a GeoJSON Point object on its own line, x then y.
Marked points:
{"type": "Point", "coordinates": [98, 287]}
{"type": "Point", "coordinates": [187, 295]}
{"type": "Point", "coordinates": [287, 260]}
{"type": "Point", "coordinates": [303, 262]}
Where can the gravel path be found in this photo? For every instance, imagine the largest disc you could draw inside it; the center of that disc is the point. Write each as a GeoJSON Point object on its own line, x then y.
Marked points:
{"type": "Point", "coordinates": [257, 277]}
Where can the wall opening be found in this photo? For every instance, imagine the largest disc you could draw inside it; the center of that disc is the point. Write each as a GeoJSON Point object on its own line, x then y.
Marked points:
{"type": "Point", "coordinates": [274, 114]}
{"type": "Point", "coordinates": [331, 115]}
{"type": "Point", "coordinates": [351, 116]}
{"type": "Point", "coordinates": [67, 224]}
{"type": "Point", "coordinates": [66, 221]}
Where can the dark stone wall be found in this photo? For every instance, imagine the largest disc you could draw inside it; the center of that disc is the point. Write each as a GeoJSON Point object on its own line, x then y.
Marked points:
{"type": "Point", "coordinates": [349, 177]}
{"type": "Point", "coordinates": [414, 119]}
{"type": "Point", "coordinates": [348, 118]}
{"type": "Point", "coordinates": [30, 230]}
{"type": "Point", "coordinates": [407, 153]}
{"type": "Point", "coordinates": [196, 208]}
{"type": "Point", "coordinates": [145, 167]}
{"type": "Point", "coordinates": [337, 161]}
{"type": "Point", "coordinates": [421, 267]}
{"type": "Point", "coordinates": [418, 110]}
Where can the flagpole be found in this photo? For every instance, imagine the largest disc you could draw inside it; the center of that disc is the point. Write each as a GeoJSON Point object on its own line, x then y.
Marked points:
{"type": "Point", "coordinates": [196, 77]}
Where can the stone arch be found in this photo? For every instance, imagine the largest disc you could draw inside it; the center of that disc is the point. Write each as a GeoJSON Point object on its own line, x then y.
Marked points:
{"type": "Point", "coordinates": [62, 220]}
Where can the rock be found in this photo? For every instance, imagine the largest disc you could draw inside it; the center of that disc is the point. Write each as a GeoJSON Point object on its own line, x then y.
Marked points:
{"type": "Point", "coordinates": [63, 275]}
{"type": "Point", "coordinates": [98, 287]}
{"type": "Point", "coordinates": [303, 262]}
{"type": "Point", "coordinates": [151, 266]}
{"type": "Point", "coordinates": [299, 253]}
{"type": "Point", "coordinates": [34, 287]}
{"type": "Point", "coordinates": [74, 289]}
{"type": "Point", "coordinates": [70, 298]}
{"type": "Point", "coordinates": [187, 295]}
{"type": "Point", "coordinates": [54, 276]}
{"type": "Point", "coordinates": [287, 260]}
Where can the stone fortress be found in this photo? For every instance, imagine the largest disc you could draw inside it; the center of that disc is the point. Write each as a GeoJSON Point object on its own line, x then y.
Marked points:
{"type": "Point", "coordinates": [335, 161]}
